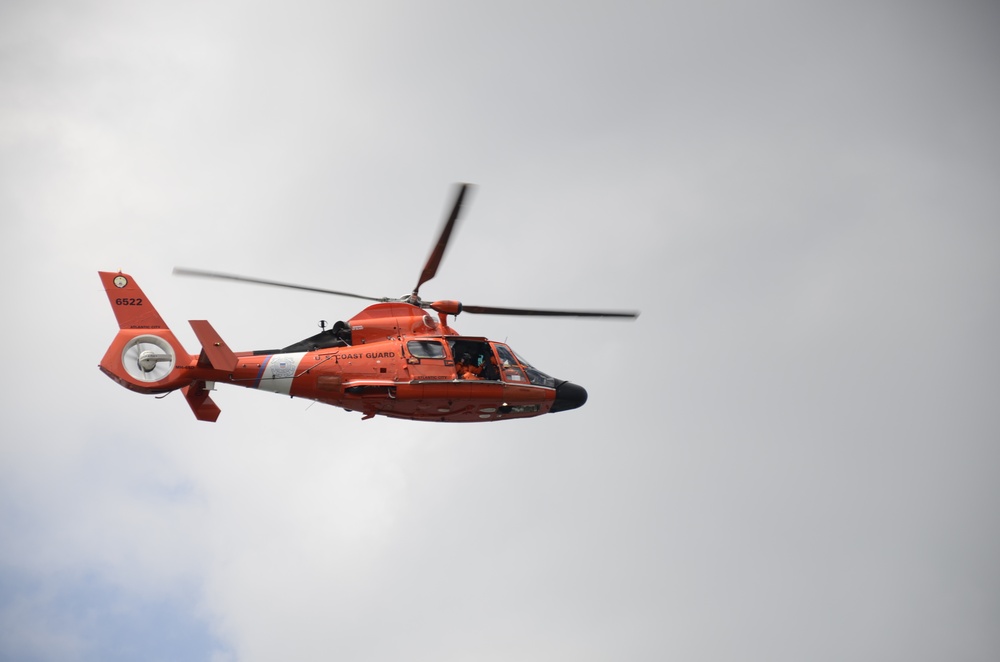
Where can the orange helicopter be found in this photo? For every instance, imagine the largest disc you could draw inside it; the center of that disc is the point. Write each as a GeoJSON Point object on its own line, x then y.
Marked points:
{"type": "Point", "coordinates": [391, 359]}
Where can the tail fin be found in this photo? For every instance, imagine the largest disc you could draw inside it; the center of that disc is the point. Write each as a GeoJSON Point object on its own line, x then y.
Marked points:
{"type": "Point", "coordinates": [145, 356]}
{"type": "Point", "coordinates": [132, 308]}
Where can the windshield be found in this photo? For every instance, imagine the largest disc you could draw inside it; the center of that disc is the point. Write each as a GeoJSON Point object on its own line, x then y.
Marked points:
{"type": "Point", "coordinates": [536, 376]}
{"type": "Point", "coordinates": [516, 368]}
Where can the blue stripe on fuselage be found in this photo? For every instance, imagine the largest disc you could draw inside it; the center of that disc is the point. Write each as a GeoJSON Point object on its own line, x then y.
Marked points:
{"type": "Point", "coordinates": [260, 373]}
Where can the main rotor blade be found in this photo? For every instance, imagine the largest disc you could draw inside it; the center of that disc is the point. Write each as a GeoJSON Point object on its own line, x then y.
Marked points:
{"type": "Point", "coordinates": [181, 271]}
{"type": "Point", "coordinates": [494, 310]}
{"type": "Point", "coordinates": [430, 269]}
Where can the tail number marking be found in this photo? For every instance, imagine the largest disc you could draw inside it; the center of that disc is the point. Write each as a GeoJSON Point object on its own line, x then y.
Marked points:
{"type": "Point", "coordinates": [128, 301]}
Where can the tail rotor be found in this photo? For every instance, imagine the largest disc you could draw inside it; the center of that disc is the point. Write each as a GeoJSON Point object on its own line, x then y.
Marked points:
{"type": "Point", "coordinates": [148, 358]}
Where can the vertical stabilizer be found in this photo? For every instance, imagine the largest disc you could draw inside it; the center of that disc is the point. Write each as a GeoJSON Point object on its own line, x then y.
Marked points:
{"type": "Point", "coordinates": [132, 309]}
{"type": "Point", "coordinates": [145, 356]}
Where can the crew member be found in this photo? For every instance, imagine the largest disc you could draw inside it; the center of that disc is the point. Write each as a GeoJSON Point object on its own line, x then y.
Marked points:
{"type": "Point", "coordinates": [466, 369]}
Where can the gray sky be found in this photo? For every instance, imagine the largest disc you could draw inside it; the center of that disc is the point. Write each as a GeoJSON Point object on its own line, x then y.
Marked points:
{"type": "Point", "coordinates": [793, 454]}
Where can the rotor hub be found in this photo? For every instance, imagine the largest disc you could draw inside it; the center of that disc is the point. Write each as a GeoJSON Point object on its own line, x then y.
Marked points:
{"type": "Point", "coordinates": [148, 358]}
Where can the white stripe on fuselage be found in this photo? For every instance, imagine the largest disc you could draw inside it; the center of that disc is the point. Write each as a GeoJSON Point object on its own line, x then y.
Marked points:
{"type": "Point", "coordinates": [278, 373]}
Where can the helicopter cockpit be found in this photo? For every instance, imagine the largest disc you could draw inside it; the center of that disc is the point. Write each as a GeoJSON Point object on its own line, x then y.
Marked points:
{"type": "Point", "coordinates": [494, 361]}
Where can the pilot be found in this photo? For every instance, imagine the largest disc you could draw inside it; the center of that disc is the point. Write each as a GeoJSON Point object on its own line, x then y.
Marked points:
{"type": "Point", "coordinates": [489, 369]}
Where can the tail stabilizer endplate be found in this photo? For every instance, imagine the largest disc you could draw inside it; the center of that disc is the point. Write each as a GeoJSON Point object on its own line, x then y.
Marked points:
{"type": "Point", "coordinates": [215, 353]}
{"type": "Point", "coordinates": [201, 403]}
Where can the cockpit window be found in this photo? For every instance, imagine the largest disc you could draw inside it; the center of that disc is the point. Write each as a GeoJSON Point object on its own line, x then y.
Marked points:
{"type": "Point", "coordinates": [536, 376]}
{"type": "Point", "coordinates": [509, 366]}
{"type": "Point", "coordinates": [425, 349]}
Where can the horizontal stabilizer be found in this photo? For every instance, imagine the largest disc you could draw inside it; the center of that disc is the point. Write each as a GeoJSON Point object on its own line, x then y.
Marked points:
{"type": "Point", "coordinates": [214, 350]}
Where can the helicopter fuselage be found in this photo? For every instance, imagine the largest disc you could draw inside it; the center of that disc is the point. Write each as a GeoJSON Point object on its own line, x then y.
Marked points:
{"type": "Point", "coordinates": [391, 359]}
{"type": "Point", "coordinates": [408, 365]}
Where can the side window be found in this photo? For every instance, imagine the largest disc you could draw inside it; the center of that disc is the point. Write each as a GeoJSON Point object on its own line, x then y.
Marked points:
{"type": "Point", "coordinates": [509, 367]}
{"type": "Point", "coordinates": [425, 349]}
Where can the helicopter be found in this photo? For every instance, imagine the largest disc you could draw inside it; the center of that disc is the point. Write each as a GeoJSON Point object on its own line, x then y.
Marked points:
{"type": "Point", "coordinates": [394, 358]}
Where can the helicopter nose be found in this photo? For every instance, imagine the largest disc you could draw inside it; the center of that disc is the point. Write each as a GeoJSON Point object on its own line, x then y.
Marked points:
{"type": "Point", "coordinates": [568, 396]}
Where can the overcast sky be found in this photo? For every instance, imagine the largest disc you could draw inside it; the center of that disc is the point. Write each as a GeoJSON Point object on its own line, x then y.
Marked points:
{"type": "Point", "coordinates": [794, 454]}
